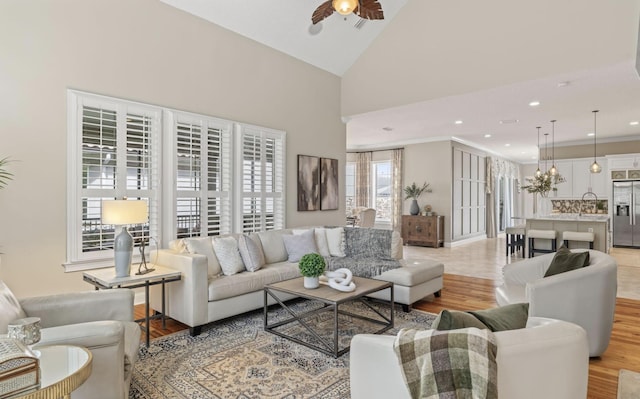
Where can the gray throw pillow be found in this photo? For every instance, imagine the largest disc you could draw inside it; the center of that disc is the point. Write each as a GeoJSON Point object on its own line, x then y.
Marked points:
{"type": "Point", "coordinates": [564, 260]}
{"type": "Point", "coordinates": [298, 245]}
{"type": "Point", "coordinates": [510, 317]}
{"type": "Point", "coordinates": [453, 320]}
{"type": "Point", "coordinates": [251, 254]}
{"type": "Point", "coordinates": [226, 249]}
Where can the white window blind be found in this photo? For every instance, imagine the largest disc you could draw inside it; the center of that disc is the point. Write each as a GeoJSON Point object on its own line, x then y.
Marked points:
{"type": "Point", "coordinates": [113, 155]}
{"type": "Point", "coordinates": [203, 176]}
{"type": "Point", "coordinates": [262, 173]}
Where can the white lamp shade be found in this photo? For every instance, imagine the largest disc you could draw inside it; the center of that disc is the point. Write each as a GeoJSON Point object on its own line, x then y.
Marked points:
{"type": "Point", "coordinates": [121, 212]}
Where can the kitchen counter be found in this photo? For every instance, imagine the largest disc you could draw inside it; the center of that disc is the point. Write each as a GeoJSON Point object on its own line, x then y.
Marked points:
{"type": "Point", "coordinates": [598, 224]}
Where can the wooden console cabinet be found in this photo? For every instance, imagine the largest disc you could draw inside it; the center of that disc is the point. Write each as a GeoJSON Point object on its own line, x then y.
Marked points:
{"type": "Point", "coordinates": [423, 230]}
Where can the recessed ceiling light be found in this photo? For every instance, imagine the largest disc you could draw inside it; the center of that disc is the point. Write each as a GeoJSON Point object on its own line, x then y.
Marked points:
{"type": "Point", "coordinates": [563, 84]}
{"type": "Point", "coordinates": [387, 129]}
{"type": "Point", "coordinates": [486, 136]}
{"type": "Point", "coordinates": [534, 157]}
{"type": "Point", "coordinates": [534, 103]}
{"type": "Point", "coordinates": [634, 123]}
{"type": "Point", "coordinates": [591, 134]}
{"type": "Point", "coordinates": [508, 121]}
{"type": "Point", "coordinates": [458, 122]}
{"type": "Point", "coordinates": [507, 145]}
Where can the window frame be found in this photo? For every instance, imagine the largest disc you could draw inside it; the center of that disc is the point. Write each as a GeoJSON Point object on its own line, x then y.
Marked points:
{"type": "Point", "coordinates": [374, 189]}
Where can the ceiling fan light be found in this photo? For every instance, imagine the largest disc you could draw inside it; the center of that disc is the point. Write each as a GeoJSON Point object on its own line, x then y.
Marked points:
{"type": "Point", "coordinates": [595, 168]}
{"type": "Point", "coordinates": [345, 7]}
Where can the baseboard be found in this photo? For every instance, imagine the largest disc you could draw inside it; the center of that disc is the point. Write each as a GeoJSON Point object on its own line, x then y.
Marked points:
{"type": "Point", "coordinates": [465, 241]}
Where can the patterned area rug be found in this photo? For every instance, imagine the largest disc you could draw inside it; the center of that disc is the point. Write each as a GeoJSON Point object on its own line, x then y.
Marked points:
{"type": "Point", "coordinates": [235, 358]}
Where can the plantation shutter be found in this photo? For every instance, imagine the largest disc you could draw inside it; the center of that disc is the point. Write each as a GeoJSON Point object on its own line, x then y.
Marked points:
{"type": "Point", "coordinates": [262, 170]}
{"type": "Point", "coordinates": [203, 176]}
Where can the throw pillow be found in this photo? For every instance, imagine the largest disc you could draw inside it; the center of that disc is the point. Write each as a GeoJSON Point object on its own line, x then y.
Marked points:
{"type": "Point", "coordinates": [509, 317]}
{"type": "Point", "coordinates": [10, 308]}
{"type": "Point", "coordinates": [335, 241]}
{"type": "Point", "coordinates": [564, 260]}
{"type": "Point", "coordinates": [298, 245]}
{"type": "Point", "coordinates": [273, 246]}
{"type": "Point", "coordinates": [250, 253]}
{"type": "Point", "coordinates": [321, 239]}
{"type": "Point", "coordinates": [453, 320]}
{"type": "Point", "coordinates": [226, 249]}
{"type": "Point", "coordinates": [203, 246]}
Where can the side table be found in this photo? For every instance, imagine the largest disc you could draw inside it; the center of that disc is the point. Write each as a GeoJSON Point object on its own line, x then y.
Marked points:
{"type": "Point", "coordinates": [63, 369]}
{"type": "Point", "coordinates": [106, 279]}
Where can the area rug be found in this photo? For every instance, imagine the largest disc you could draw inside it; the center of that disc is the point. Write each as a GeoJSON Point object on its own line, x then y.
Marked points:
{"type": "Point", "coordinates": [235, 358]}
{"type": "Point", "coordinates": [628, 384]}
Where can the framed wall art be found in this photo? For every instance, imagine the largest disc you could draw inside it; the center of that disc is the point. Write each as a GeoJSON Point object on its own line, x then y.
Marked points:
{"type": "Point", "coordinates": [328, 183]}
{"type": "Point", "coordinates": [308, 183]}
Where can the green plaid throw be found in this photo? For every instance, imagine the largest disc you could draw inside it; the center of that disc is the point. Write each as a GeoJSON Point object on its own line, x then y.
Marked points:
{"type": "Point", "coordinates": [454, 364]}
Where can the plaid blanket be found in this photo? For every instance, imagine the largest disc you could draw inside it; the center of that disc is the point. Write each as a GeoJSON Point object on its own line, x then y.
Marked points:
{"type": "Point", "coordinates": [454, 364]}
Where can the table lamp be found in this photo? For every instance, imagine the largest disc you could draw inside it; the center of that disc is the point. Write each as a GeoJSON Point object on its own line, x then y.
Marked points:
{"type": "Point", "coordinates": [123, 213]}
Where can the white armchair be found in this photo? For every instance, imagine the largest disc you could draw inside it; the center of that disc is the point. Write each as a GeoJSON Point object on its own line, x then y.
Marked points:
{"type": "Point", "coordinates": [367, 218]}
{"type": "Point", "coordinates": [101, 321]}
{"type": "Point", "coordinates": [585, 296]}
{"type": "Point", "coordinates": [548, 359]}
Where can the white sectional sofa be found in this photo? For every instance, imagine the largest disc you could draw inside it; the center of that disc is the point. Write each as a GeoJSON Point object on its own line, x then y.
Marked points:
{"type": "Point", "coordinates": [205, 295]}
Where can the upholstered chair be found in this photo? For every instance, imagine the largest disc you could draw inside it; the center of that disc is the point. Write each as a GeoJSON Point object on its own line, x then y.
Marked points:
{"type": "Point", "coordinates": [101, 321]}
{"type": "Point", "coordinates": [367, 218]}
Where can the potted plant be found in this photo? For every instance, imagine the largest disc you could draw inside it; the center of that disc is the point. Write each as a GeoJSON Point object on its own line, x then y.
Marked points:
{"type": "Point", "coordinates": [414, 192]}
{"type": "Point", "coordinates": [542, 185]}
{"type": "Point", "coordinates": [311, 266]}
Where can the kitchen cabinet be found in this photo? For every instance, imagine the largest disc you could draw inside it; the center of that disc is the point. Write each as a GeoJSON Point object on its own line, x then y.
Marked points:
{"type": "Point", "coordinates": [564, 190]}
{"type": "Point", "coordinates": [579, 179]}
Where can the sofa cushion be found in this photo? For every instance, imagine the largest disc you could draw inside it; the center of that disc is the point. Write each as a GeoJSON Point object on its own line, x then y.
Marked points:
{"type": "Point", "coordinates": [226, 249]}
{"type": "Point", "coordinates": [10, 308]}
{"type": "Point", "coordinates": [454, 319]}
{"type": "Point", "coordinates": [335, 241]}
{"type": "Point", "coordinates": [204, 246]}
{"type": "Point", "coordinates": [564, 260]}
{"type": "Point", "coordinates": [298, 245]}
{"type": "Point", "coordinates": [509, 317]}
{"type": "Point", "coordinates": [250, 252]}
{"type": "Point", "coordinates": [273, 246]}
{"type": "Point", "coordinates": [243, 283]}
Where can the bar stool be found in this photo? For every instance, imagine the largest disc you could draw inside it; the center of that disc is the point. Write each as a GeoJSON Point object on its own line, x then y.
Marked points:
{"type": "Point", "coordinates": [515, 239]}
{"type": "Point", "coordinates": [541, 234]}
{"type": "Point", "coordinates": [578, 236]}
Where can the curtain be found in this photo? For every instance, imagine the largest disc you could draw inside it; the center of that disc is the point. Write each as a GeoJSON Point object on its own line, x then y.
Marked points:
{"type": "Point", "coordinates": [491, 198]}
{"type": "Point", "coordinates": [363, 179]}
{"type": "Point", "coordinates": [396, 192]}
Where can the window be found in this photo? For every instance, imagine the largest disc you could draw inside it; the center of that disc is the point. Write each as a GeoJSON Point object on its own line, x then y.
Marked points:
{"type": "Point", "coordinates": [381, 190]}
{"type": "Point", "coordinates": [218, 176]}
{"type": "Point", "coordinates": [350, 186]}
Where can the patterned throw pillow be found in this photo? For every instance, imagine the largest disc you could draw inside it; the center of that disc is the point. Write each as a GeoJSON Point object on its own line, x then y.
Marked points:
{"type": "Point", "coordinates": [298, 245]}
{"type": "Point", "coordinates": [226, 249]}
{"type": "Point", "coordinates": [250, 252]}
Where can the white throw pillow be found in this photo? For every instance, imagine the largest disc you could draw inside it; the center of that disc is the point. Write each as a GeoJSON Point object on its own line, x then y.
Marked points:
{"type": "Point", "coordinates": [251, 253]}
{"type": "Point", "coordinates": [226, 249]}
{"type": "Point", "coordinates": [299, 245]}
{"type": "Point", "coordinates": [203, 246]}
{"type": "Point", "coordinates": [320, 238]}
{"type": "Point", "coordinates": [10, 308]}
{"type": "Point", "coordinates": [335, 241]}
{"type": "Point", "coordinates": [273, 246]}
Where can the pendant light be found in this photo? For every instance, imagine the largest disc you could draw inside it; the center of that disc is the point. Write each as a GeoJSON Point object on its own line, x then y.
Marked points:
{"type": "Point", "coordinates": [546, 174]}
{"type": "Point", "coordinates": [595, 168]}
{"type": "Point", "coordinates": [538, 171]}
{"type": "Point", "coordinates": [553, 171]}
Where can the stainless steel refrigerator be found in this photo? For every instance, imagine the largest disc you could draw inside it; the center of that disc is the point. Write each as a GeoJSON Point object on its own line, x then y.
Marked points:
{"type": "Point", "coordinates": [626, 213]}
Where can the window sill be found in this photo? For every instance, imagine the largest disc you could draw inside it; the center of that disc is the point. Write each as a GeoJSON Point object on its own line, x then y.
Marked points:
{"type": "Point", "coordinates": [79, 266]}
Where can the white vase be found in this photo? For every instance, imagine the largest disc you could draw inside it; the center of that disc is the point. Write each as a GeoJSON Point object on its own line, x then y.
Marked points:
{"type": "Point", "coordinates": [311, 282]}
{"type": "Point", "coordinates": [544, 206]}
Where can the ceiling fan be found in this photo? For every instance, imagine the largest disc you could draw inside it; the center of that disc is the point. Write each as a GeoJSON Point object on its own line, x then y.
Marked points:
{"type": "Point", "coordinates": [367, 9]}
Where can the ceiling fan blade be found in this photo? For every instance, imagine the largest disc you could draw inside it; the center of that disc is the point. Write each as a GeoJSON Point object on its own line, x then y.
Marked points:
{"type": "Point", "coordinates": [369, 9]}
{"type": "Point", "coordinates": [322, 12]}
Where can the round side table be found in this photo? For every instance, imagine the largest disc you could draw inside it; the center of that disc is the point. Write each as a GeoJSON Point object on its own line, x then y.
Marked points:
{"type": "Point", "coordinates": [63, 368]}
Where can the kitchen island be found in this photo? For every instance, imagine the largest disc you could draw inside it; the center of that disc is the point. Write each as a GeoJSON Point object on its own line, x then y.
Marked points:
{"type": "Point", "coordinates": [598, 224]}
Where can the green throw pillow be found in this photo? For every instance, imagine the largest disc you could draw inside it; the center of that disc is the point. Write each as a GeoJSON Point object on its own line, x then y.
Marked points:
{"type": "Point", "coordinates": [453, 319]}
{"type": "Point", "coordinates": [510, 317]}
{"type": "Point", "coordinates": [564, 260]}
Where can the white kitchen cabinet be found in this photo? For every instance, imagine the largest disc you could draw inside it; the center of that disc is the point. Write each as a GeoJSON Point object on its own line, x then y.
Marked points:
{"type": "Point", "coordinates": [579, 179]}
{"type": "Point", "coordinates": [565, 168]}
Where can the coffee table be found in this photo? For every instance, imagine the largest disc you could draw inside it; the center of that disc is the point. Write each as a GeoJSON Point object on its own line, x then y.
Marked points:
{"type": "Point", "coordinates": [331, 300]}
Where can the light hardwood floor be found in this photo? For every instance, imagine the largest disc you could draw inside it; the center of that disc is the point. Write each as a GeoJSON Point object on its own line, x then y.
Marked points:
{"type": "Point", "coordinates": [473, 270]}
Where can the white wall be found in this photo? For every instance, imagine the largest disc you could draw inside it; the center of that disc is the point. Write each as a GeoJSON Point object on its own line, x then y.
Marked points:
{"type": "Point", "coordinates": [145, 51]}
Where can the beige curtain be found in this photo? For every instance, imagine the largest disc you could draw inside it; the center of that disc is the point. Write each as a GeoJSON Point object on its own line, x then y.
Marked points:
{"type": "Point", "coordinates": [363, 178]}
{"type": "Point", "coordinates": [396, 192]}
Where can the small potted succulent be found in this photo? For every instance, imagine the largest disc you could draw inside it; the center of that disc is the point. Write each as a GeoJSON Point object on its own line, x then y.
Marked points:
{"type": "Point", "coordinates": [311, 266]}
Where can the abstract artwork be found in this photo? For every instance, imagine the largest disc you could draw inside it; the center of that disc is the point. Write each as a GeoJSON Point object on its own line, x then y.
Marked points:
{"type": "Point", "coordinates": [308, 183]}
{"type": "Point", "coordinates": [328, 183]}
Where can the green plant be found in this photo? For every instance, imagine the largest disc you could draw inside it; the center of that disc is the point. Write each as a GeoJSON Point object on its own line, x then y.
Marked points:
{"type": "Point", "coordinates": [543, 184]}
{"type": "Point", "coordinates": [311, 265]}
{"type": "Point", "coordinates": [5, 175]}
{"type": "Point", "coordinates": [600, 205]}
{"type": "Point", "coordinates": [414, 191]}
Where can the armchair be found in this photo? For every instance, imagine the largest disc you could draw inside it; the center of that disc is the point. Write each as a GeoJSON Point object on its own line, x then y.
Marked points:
{"type": "Point", "coordinates": [548, 359]}
{"type": "Point", "coordinates": [101, 321]}
{"type": "Point", "coordinates": [585, 296]}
